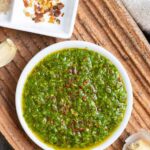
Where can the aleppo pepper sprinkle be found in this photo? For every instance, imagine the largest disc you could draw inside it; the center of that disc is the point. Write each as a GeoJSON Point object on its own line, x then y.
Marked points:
{"type": "Point", "coordinates": [44, 10]}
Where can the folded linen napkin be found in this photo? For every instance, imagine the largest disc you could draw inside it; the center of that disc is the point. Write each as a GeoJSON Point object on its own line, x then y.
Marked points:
{"type": "Point", "coordinates": [140, 10]}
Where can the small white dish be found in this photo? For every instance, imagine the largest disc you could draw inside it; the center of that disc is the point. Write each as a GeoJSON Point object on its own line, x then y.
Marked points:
{"type": "Point", "coordinates": [74, 44]}
{"type": "Point", "coordinates": [16, 19]}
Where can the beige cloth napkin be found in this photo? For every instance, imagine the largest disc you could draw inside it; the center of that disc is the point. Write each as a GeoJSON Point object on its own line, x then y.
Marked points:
{"type": "Point", "coordinates": [140, 10]}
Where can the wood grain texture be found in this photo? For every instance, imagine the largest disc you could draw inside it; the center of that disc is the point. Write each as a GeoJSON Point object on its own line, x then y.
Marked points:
{"type": "Point", "coordinates": [104, 22]}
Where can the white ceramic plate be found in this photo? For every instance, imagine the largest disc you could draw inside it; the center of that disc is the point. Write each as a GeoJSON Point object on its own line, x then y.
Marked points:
{"type": "Point", "coordinates": [16, 19]}
{"type": "Point", "coordinates": [74, 44]}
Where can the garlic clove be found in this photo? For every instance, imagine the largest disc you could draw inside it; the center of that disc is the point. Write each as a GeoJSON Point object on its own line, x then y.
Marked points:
{"type": "Point", "coordinates": [138, 141]}
{"type": "Point", "coordinates": [7, 52]}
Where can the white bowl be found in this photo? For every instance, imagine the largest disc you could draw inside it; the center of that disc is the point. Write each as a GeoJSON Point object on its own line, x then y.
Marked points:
{"type": "Point", "coordinates": [74, 44]}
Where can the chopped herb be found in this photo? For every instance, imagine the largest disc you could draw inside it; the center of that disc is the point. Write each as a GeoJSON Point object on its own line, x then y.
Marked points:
{"type": "Point", "coordinates": [74, 98]}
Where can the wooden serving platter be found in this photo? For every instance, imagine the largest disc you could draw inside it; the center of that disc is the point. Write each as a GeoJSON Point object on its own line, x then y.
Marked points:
{"type": "Point", "coordinates": [104, 22]}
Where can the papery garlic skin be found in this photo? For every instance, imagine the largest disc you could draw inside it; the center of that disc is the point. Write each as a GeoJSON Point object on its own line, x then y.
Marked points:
{"type": "Point", "coordinates": [7, 52]}
{"type": "Point", "coordinates": [138, 141]}
{"type": "Point", "coordinates": [140, 144]}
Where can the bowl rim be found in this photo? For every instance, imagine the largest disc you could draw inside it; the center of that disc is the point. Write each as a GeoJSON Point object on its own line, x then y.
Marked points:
{"type": "Point", "coordinates": [74, 44]}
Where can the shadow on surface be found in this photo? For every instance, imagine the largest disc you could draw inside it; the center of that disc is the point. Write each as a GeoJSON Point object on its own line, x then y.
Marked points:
{"type": "Point", "coordinates": [4, 144]}
{"type": "Point", "coordinates": [147, 36]}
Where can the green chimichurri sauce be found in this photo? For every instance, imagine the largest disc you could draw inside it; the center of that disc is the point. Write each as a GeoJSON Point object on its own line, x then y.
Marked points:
{"type": "Point", "coordinates": [74, 98]}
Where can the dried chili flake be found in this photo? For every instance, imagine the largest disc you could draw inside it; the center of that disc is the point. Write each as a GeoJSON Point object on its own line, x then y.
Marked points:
{"type": "Point", "coordinates": [62, 14]}
{"type": "Point", "coordinates": [58, 21]}
{"type": "Point", "coordinates": [60, 6]}
{"type": "Point", "coordinates": [26, 3]}
{"type": "Point", "coordinates": [42, 9]}
{"type": "Point", "coordinates": [51, 19]}
{"type": "Point", "coordinates": [27, 14]}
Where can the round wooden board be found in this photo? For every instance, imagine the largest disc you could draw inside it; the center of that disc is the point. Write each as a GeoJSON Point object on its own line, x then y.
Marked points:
{"type": "Point", "coordinates": [104, 22]}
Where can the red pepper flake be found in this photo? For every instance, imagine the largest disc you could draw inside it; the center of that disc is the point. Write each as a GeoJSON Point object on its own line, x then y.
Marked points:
{"type": "Point", "coordinates": [38, 17]}
{"type": "Point", "coordinates": [62, 14]}
{"type": "Point", "coordinates": [85, 82]}
{"type": "Point", "coordinates": [119, 78]}
{"type": "Point", "coordinates": [78, 129]}
{"type": "Point", "coordinates": [67, 85]}
{"type": "Point", "coordinates": [27, 14]}
{"type": "Point", "coordinates": [52, 8]}
{"type": "Point", "coordinates": [84, 98]}
{"type": "Point", "coordinates": [51, 19]}
{"type": "Point", "coordinates": [26, 4]}
{"type": "Point", "coordinates": [80, 87]}
{"type": "Point", "coordinates": [57, 21]}
{"type": "Point", "coordinates": [60, 6]}
{"type": "Point", "coordinates": [57, 13]}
